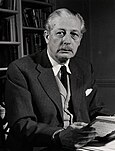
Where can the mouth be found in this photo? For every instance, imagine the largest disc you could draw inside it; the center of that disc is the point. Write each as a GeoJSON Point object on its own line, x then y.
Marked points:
{"type": "Point", "coordinates": [64, 50]}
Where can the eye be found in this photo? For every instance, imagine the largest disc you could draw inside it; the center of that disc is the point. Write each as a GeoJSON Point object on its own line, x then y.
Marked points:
{"type": "Point", "coordinates": [60, 34]}
{"type": "Point", "coordinates": [75, 36]}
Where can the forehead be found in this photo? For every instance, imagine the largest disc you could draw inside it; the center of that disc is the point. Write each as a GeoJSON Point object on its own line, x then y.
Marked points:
{"type": "Point", "coordinates": [67, 23]}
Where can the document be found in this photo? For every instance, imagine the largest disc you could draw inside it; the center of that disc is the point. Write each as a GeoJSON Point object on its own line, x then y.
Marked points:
{"type": "Point", "coordinates": [104, 125]}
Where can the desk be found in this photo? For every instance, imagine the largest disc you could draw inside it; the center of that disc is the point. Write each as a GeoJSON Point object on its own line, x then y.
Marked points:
{"type": "Point", "coordinates": [110, 146]}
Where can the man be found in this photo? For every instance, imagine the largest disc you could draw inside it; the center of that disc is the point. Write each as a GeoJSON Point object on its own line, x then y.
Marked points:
{"type": "Point", "coordinates": [43, 113]}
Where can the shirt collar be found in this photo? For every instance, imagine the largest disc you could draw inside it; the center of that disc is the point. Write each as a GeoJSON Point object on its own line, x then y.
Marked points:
{"type": "Point", "coordinates": [56, 66]}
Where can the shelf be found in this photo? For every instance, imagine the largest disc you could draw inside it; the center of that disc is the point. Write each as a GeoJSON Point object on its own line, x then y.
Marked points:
{"type": "Point", "coordinates": [9, 43]}
{"type": "Point", "coordinates": [32, 29]}
{"type": "Point", "coordinates": [3, 72]}
{"type": "Point", "coordinates": [38, 4]}
{"type": "Point", "coordinates": [7, 12]}
{"type": "Point", "coordinates": [3, 69]}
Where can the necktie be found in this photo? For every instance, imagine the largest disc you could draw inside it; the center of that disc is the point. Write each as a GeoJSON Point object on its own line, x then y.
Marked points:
{"type": "Point", "coordinates": [64, 76]}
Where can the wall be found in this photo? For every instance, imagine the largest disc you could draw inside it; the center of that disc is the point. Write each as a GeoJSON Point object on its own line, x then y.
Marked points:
{"type": "Point", "coordinates": [102, 46]}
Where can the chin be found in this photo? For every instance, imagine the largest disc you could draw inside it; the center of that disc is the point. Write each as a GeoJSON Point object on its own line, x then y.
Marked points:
{"type": "Point", "coordinates": [63, 59]}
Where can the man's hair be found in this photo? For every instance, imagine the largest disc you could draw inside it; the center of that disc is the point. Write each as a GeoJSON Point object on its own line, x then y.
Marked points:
{"type": "Point", "coordinates": [61, 12]}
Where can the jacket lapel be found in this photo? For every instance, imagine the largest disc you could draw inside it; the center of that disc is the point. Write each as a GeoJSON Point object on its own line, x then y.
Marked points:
{"type": "Point", "coordinates": [48, 81]}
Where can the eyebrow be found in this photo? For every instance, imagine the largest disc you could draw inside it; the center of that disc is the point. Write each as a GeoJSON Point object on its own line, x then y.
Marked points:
{"type": "Point", "coordinates": [74, 30]}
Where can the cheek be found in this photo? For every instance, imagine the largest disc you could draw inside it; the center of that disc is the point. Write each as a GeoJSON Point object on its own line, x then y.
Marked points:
{"type": "Point", "coordinates": [54, 42]}
{"type": "Point", "coordinates": [75, 47]}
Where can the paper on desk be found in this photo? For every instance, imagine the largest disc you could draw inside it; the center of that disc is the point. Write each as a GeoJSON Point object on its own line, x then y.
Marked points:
{"type": "Point", "coordinates": [104, 125]}
{"type": "Point", "coordinates": [107, 147]}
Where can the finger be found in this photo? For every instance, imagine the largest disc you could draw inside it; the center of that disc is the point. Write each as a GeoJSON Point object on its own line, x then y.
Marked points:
{"type": "Point", "coordinates": [89, 128]}
{"type": "Point", "coordinates": [77, 146]}
{"type": "Point", "coordinates": [80, 144]}
{"type": "Point", "coordinates": [86, 138]}
{"type": "Point", "coordinates": [88, 134]}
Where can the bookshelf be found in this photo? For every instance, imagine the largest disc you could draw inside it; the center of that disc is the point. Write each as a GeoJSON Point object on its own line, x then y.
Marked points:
{"type": "Point", "coordinates": [9, 48]}
{"type": "Point", "coordinates": [9, 42]}
{"type": "Point", "coordinates": [21, 32]}
{"type": "Point", "coordinates": [34, 14]}
{"type": "Point", "coordinates": [21, 27]}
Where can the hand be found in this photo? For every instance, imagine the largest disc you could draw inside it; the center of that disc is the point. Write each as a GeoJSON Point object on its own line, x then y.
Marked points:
{"type": "Point", "coordinates": [77, 135]}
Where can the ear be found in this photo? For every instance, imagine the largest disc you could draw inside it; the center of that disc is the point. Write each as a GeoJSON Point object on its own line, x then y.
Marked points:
{"type": "Point", "coordinates": [46, 36]}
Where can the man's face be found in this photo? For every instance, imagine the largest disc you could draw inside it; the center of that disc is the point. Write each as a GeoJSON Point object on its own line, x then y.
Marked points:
{"type": "Point", "coordinates": [64, 39]}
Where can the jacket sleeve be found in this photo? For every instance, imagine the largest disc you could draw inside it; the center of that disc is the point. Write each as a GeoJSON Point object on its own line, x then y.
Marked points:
{"type": "Point", "coordinates": [21, 118]}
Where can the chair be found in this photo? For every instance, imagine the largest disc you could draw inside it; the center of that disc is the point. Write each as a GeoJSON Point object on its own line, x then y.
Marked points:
{"type": "Point", "coordinates": [3, 121]}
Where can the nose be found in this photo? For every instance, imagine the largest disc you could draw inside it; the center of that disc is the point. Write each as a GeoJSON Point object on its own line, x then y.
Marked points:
{"type": "Point", "coordinates": [67, 39]}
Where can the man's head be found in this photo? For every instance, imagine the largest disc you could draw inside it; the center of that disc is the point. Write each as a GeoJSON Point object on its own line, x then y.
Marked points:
{"type": "Point", "coordinates": [63, 34]}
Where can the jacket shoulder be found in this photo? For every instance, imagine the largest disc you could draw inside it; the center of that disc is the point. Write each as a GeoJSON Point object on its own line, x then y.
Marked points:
{"type": "Point", "coordinates": [82, 63]}
{"type": "Point", "coordinates": [23, 63]}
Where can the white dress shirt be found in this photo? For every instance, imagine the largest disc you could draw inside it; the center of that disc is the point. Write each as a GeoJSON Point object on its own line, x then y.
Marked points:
{"type": "Point", "coordinates": [65, 95]}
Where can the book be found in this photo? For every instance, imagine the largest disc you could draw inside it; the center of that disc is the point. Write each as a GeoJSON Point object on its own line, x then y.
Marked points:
{"type": "Point", "coordinates": [12, 29]}
{"type": "Point", "coordinates": [5, 29]}
{"type": "Point", "coordinates": [35, 21]}
{"type": "Point", "coordinates": [30, 17]}
{"type": "Point", "coordinates": [14, 4]}
{"type": "Point", "coordinates": [25, 18]}
{"type": "Point", "coordinates": [35, 17]}
{"type": "Point", "coordinates": [1, 3]}
{"type": "Point", "coordinates": [33, 42]}
{"type": "Point", "coordinates": [26, 44]}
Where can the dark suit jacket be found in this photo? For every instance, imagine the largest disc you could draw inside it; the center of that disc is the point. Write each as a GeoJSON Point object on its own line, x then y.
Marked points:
{"type": "Point", "coordinates": [33, 102]}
